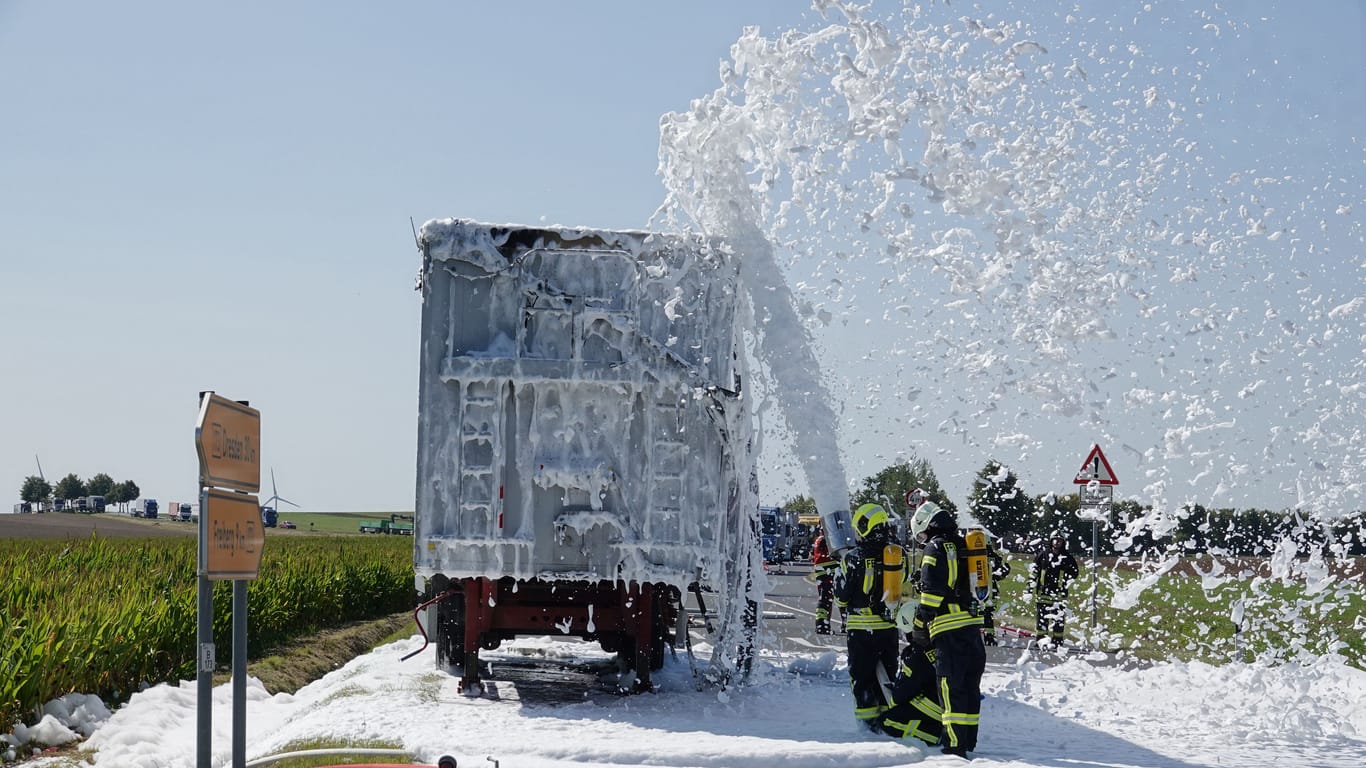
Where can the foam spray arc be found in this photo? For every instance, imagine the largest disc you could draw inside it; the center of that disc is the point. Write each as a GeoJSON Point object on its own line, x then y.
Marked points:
{"type": "Point", "coordinates": [702, 154]}
{"type": "Point", "coordinates": [1030, 211]}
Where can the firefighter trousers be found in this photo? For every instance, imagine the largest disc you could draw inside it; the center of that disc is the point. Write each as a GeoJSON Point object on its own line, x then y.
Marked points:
{"type": "Point", "coordinates": [1051, 619]}
{"type": "Point", "coordinates": [959, 661]}
{"type": "Point", "coordinates": [872, 661]}
{"type": "Point", "coordinates": [825, 601]}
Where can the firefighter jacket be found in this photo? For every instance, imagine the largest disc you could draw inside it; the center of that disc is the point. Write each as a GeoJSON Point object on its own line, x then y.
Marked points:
{"type": "Point", "coordinates": [946, 599]}
{"type": "Point", "coordinates": [1053, 572]}
{"type": "Point", "coordinates": [860, 587]}
{"type": "Point", "coordinates": [821, 561]}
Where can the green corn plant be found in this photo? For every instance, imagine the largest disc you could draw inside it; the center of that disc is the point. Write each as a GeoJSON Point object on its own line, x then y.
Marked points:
{"type": "Point", "coordinates": [107, 616]}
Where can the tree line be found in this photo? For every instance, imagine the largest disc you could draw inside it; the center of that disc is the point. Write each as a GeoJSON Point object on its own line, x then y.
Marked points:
{"type": "Point", "coordinates": [36, 490]}
{"type": "Point", "coordinates": [1023, 521]}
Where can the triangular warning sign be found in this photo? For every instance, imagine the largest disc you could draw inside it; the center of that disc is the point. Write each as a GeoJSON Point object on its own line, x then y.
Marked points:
{"type": "Point", "coordinates": [1096, 467]}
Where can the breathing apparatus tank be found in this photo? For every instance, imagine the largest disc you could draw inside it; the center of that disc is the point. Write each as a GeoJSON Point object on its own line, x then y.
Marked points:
{"type": "Point", "coordinates": [893, 574]}
{"type": "Point", "coordinates": [979, 568]}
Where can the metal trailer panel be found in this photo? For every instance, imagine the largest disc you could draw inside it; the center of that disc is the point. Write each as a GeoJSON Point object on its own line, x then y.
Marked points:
{"type": "Point", "coordinates": [577, 397]}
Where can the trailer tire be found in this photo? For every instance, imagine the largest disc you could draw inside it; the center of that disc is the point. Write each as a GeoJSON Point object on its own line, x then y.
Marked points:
{"type": "Point", "coordinates": [450, 628]}
{"type": "Point", "coordinates": [663, 618]}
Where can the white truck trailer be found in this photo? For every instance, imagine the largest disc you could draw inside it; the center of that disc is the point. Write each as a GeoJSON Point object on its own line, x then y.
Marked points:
{"type": "Point", "coordinates": [582, 456]}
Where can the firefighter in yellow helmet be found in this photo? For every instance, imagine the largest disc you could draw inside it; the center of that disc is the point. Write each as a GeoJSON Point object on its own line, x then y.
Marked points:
{"type": "Point", "coordinates": [946, 621]}
{"type": "Point", "coordinates": [868, 589]}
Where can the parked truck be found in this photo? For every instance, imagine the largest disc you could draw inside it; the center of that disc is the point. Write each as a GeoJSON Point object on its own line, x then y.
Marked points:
{"type": "Point", "coordinates": [778, 532]}
{"type": "Point", "coordinates": [582, 461]}
{"type": "Point", "coordinates": [392, 526]}
{"type": "Point", "coordinates": [808, 528]}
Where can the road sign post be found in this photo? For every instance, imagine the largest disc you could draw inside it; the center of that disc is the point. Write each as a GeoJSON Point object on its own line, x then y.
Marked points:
{"type": "Point", "coordinates": [1097, 481]}
{"type": "Point", "coordinates": [227, 438]}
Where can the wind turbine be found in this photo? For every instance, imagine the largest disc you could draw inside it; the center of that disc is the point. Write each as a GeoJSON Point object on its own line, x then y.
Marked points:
{"type": "Point", "coordinates": [42, 503]}
{"type": "Point", "coordinates": [273, 502]}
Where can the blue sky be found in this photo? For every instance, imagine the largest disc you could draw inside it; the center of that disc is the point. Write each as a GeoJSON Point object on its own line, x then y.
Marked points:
{"type": "Point", "coordinates": [218, 197]}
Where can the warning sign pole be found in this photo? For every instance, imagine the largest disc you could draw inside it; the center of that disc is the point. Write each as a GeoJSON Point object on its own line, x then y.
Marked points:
{"type": "Point", "coordinates": [1097, 481]}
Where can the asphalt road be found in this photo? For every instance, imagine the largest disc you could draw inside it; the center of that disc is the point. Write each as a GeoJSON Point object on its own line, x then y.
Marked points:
{"type": "Point", "coordinates": [789, 625]}
{"type": "Point", "coordinates": [76, 525]}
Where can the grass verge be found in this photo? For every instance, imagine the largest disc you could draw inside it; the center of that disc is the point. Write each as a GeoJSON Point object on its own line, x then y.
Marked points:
{"type": "Point", "coordinates": [287, 669]}
{"type": "Point", "coordinates": [290, 668]}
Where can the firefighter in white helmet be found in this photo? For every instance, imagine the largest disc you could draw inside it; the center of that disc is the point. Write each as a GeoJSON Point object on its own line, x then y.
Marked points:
{"type": "Point", "coordinates": [946, 622]}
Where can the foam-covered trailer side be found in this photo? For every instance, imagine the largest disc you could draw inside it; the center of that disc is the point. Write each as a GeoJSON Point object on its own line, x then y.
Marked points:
{"type": "Point", "coordinates": [579, 437]}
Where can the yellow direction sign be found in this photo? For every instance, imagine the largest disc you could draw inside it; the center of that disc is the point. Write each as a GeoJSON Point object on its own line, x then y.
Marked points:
{"type": "Point", "coordinates": [231, 537]}
{"type": "Point", "coordinates": [228, 438]}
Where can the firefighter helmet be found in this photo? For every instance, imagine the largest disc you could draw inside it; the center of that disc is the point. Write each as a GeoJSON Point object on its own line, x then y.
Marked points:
{"type": "Point", "coordinates": [905, 616]}
{"type": "Point", "coordinates": [868, 517]}
{"type": "Point", "coordinates": [930, 515]}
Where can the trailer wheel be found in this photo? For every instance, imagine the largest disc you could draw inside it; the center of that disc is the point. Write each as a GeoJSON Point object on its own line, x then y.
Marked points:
{"type": "Point", "coordinates": [663, 619]}
{"type": "Point", "coordinates": [450, 628]}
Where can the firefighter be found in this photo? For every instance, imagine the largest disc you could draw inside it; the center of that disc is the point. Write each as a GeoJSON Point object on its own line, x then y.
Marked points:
{"type": "Point", "coordinates": [1000, 568]}
{"type": "Point", "coordinates": [914, 709]}
{"type": "Point", "coordinates": [823, 568]}
{"type": "Point", "coordinates": [1053, 571]}
{"type": "Point", "coordinates": [868, 589]}
{"type": "Point", "coordinates": [946, 622]}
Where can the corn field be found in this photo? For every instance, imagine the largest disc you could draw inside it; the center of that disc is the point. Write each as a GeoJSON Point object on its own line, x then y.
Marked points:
{"type": "Point", "coordinates": [109, 616]}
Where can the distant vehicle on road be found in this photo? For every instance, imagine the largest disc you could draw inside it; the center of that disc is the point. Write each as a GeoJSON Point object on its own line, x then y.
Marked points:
{"type": "Point", "coordinates": [778, 529]}
{"type": "Point", "coordinates": [391, 526]}
{"type": "Point", "coordinates": [287, 524]}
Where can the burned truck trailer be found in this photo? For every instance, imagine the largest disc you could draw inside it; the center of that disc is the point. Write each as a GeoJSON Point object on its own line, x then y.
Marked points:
{"type": "Point", "coordinates": [581, 462]}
